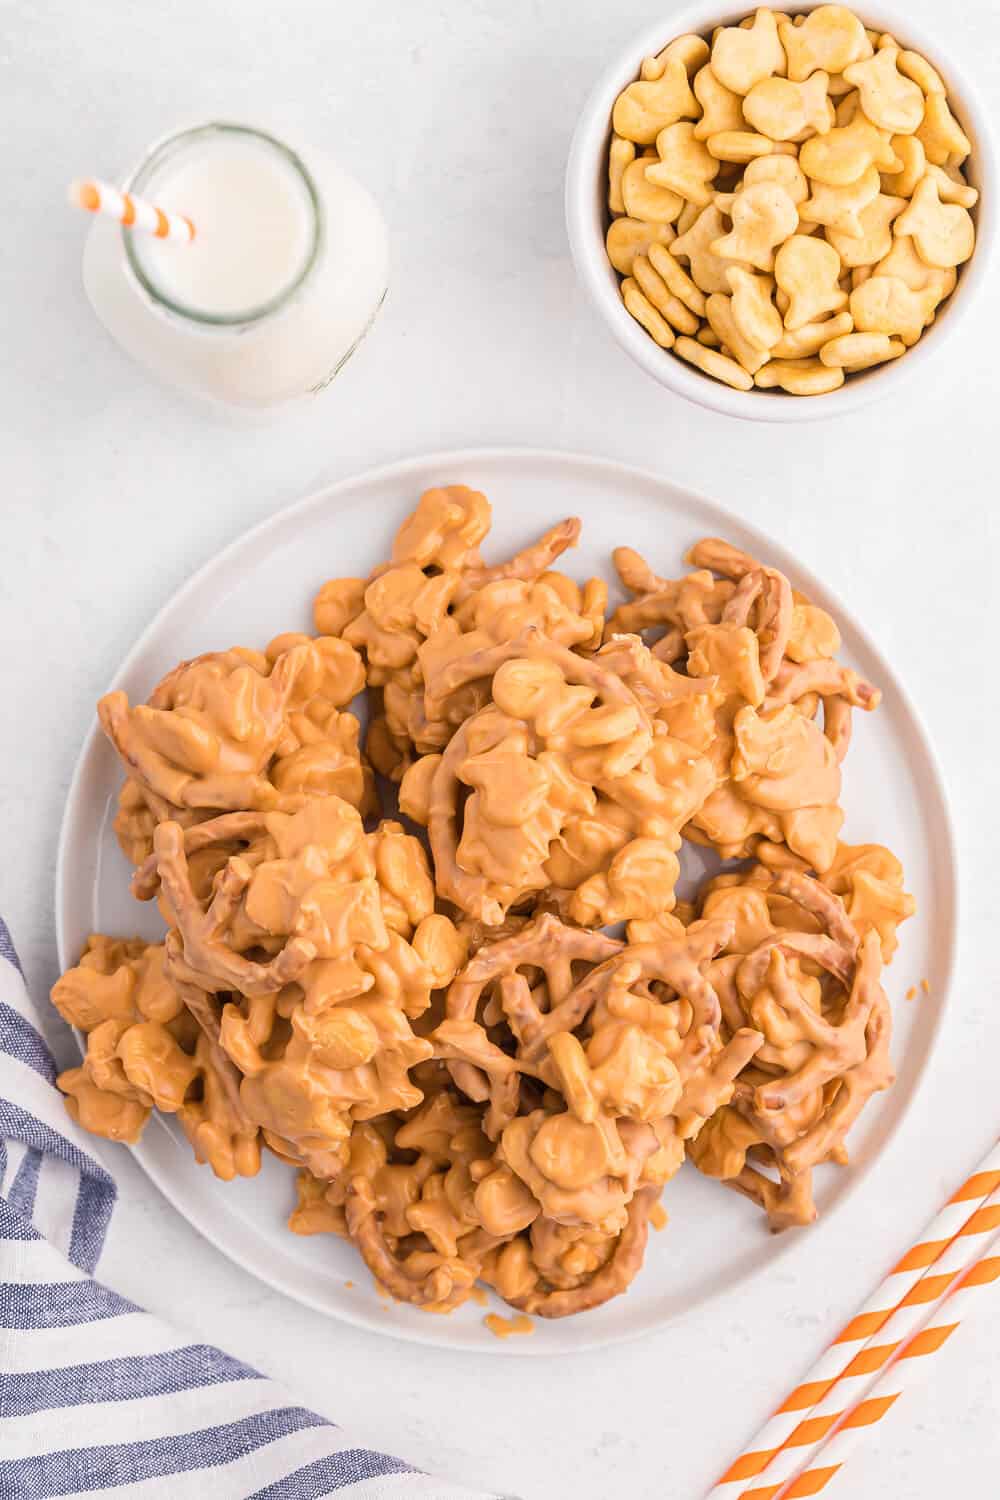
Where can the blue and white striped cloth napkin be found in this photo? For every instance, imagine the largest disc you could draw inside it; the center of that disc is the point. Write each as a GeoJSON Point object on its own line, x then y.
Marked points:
{"type": "Point", "coordinates": [97, 1397]}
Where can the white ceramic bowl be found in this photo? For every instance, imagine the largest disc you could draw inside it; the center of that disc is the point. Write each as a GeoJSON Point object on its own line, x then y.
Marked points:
{"type": "Point", "coordinates": [587, 218]}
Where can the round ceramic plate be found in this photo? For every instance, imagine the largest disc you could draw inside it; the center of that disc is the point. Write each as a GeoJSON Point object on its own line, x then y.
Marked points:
{"type": "Point", "coordinates": [264, 584]}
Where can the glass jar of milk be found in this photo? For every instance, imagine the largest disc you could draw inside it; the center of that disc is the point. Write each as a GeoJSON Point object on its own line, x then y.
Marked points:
{"type": "Point", "coordinates": [283, 279]}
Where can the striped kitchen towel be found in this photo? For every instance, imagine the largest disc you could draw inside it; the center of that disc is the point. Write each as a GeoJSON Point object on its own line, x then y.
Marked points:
{"type": "Point", "coordinates": [99, 1398]}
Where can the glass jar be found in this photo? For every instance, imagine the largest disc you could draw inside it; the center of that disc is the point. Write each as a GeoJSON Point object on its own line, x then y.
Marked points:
{"type": "Point", "coordinates": [286, 279]}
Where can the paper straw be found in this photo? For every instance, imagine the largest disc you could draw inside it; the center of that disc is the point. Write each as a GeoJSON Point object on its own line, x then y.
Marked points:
{"type": "Point", "coordinates": [101, 198]}
{"type": "Point", "coordinates": [906, 1370]}
{"type": "Point", "coordinates": [850, 1343]}
{"type": "Point", "coordinates": [906, 1324]}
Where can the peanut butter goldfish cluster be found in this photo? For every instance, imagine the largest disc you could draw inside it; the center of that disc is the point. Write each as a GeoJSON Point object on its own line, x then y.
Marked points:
{"type": "Point", "coordinates": [483, 1029]}
{"type": "Point", "coordinates": [789, 201]}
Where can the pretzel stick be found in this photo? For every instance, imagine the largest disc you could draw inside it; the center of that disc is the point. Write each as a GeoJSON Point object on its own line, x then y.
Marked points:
{"type": "Point", "coordinates": [207, 1016]}
{"type": "Point", "coordinates": [900, 1287]}
{"type": "Point", "coordinates": [530, 563]}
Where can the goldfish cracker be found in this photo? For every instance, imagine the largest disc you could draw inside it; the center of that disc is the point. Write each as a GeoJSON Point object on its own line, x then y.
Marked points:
{"type": "Point", "coordinates": [711, 362]}
{"type": "Point", "coordinates": [643, 109]}
{"type": "Point", "coordinates": [784, 110]}
{"type": "Point", "coordinates": [860, 351]}
{"type": "Point", "coordinates": [940, 133]}
{"type": "Point", "coordinates": [807, 270]}
{"type": "Point", "coordinates": [810, 339]}
{"type": "Point", "coordinates": [840, 156]}
{"type": "Point", "coordinates": [943, 233]}
{"type": "Point", "coordinates": [645, 313]}
{"type": "Point", "coordinates": [685, 166]}
{"type": "Point", "coordinates": [628, 238]}
{"type": "Point", "coordinates": [799, 377]}
{"type": "Point", "coordinates": [830, 38]}
{"type": "Point", "coordinates": [644, 200]}
{"type": "Point", "coordinates": [914, 163]}
{"type": "Point", "coordinates": [875, 239]}
{"type": "Point", "coordinates": [784, 170]}
{"type": "Point", "coordinates": [744, 55]}
{"type": "Point", "coordinates": [621, 154]}
{"type": "Point", "coordinates": [688, 217]}
{"type": "Point", "coordinates": [719, 311]}
{"type": "Point", "coordinates": [847, 107]}
{"type": "Point", "coordinates": [889, 99]}
{"type": "Point", "coordinates": [952, 186]}
{"type": "Point", "coordinates": [763, 216]}
{"type": "Point", "coordinates": [812, 204]}
{"type": "Point", "coordinates": [885, 304]}
{"type": "Point", "coordinates": [676, 279]}
{"type": "Point", "coordinates": [708, 271]}
{"type": "Point", "coordinates": [691, 50]}
{"type": "Point", "coordinates": [667, 305]}
{"type": "Point", "coordinates": [753, 312]}
{"type": "Point", "coordinates": [912, 65]}
{"type": "Point", "coordinates": [904, 262]}
{"type": "Point", "coordinates": [840, 208]}
{"type": "Point", "coordinates": [721, 109]}
{"type": "Point", "coordinates": [739, 145]}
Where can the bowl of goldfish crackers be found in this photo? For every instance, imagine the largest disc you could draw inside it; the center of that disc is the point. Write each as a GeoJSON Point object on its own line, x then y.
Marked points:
{"type": "Point", "coordinates": [780, 204]}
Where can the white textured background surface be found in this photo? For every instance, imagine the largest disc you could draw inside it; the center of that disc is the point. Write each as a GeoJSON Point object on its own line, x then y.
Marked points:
{"type": "Point", "coordinates": [458, 116]}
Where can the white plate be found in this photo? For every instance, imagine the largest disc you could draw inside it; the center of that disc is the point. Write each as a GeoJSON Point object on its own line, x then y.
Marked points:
{"type": "Point", "coordinates": [263, 584]}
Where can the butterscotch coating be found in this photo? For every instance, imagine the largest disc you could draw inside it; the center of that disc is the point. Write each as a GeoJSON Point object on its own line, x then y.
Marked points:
{"type": "Point", "coordinates": [320, 1032]}
{"type": "Point", "coordinates": [237, 730]}
{"type": "Point", "coordinates": [471, 1078]}
{"type": "Point", "coordinates": [434, 1204]}
{"type": "Point", "coordinates": [444, 531]}
{"type": "Point", "coordinates": [662, 603]}
{"type": "Point", "coordinates": [437, 585]}
{"type": "Point", "coordinates": [145, 1050]}
{"type": "Point", "coordinates": [816, 997]}
{"type": "Point", "coordinates": [784, 785]}
{"type": "Point", "coordinates": [211, 741]}
{"type": "Point", "coordinates": [565, 764]}
{"type": "Point", "coordinates": [618, 1261]}
{"type": "Point", "coordinates": [869, 881]}
{"type": "Point", "coordinates": [766, 657]}
{"type": "Point", "coordinates": [424, 1200]}
{"type": "Point", "coordinates": [498, 612]}
{"type": "Point", "coordinates": [633, 1048]}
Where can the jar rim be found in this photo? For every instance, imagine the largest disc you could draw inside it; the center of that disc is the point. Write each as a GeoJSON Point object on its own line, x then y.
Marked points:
{"type": "Point", "coordinates": [169, 146]}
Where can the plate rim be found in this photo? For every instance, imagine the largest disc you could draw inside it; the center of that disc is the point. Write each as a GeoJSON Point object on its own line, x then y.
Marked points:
{"type": "Point", "coordinates": [464, 458]}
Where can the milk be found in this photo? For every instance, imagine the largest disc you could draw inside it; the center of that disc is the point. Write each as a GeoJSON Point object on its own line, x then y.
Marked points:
{"type": "Point", "coordinates": [285, 274]}
{"type": "Point", "coordinates": [254, 227]}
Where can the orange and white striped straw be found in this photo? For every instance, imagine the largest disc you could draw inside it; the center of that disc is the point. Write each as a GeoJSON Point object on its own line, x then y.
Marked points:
{"type": "Point", "coordinates": [906, 1369]}
{"type": "Point", "coordinates": [905, 1293]}
{"type": "Point", "coordinates": [904, 1329]}
{"type": "Point", "coordinates": [101, 198]}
